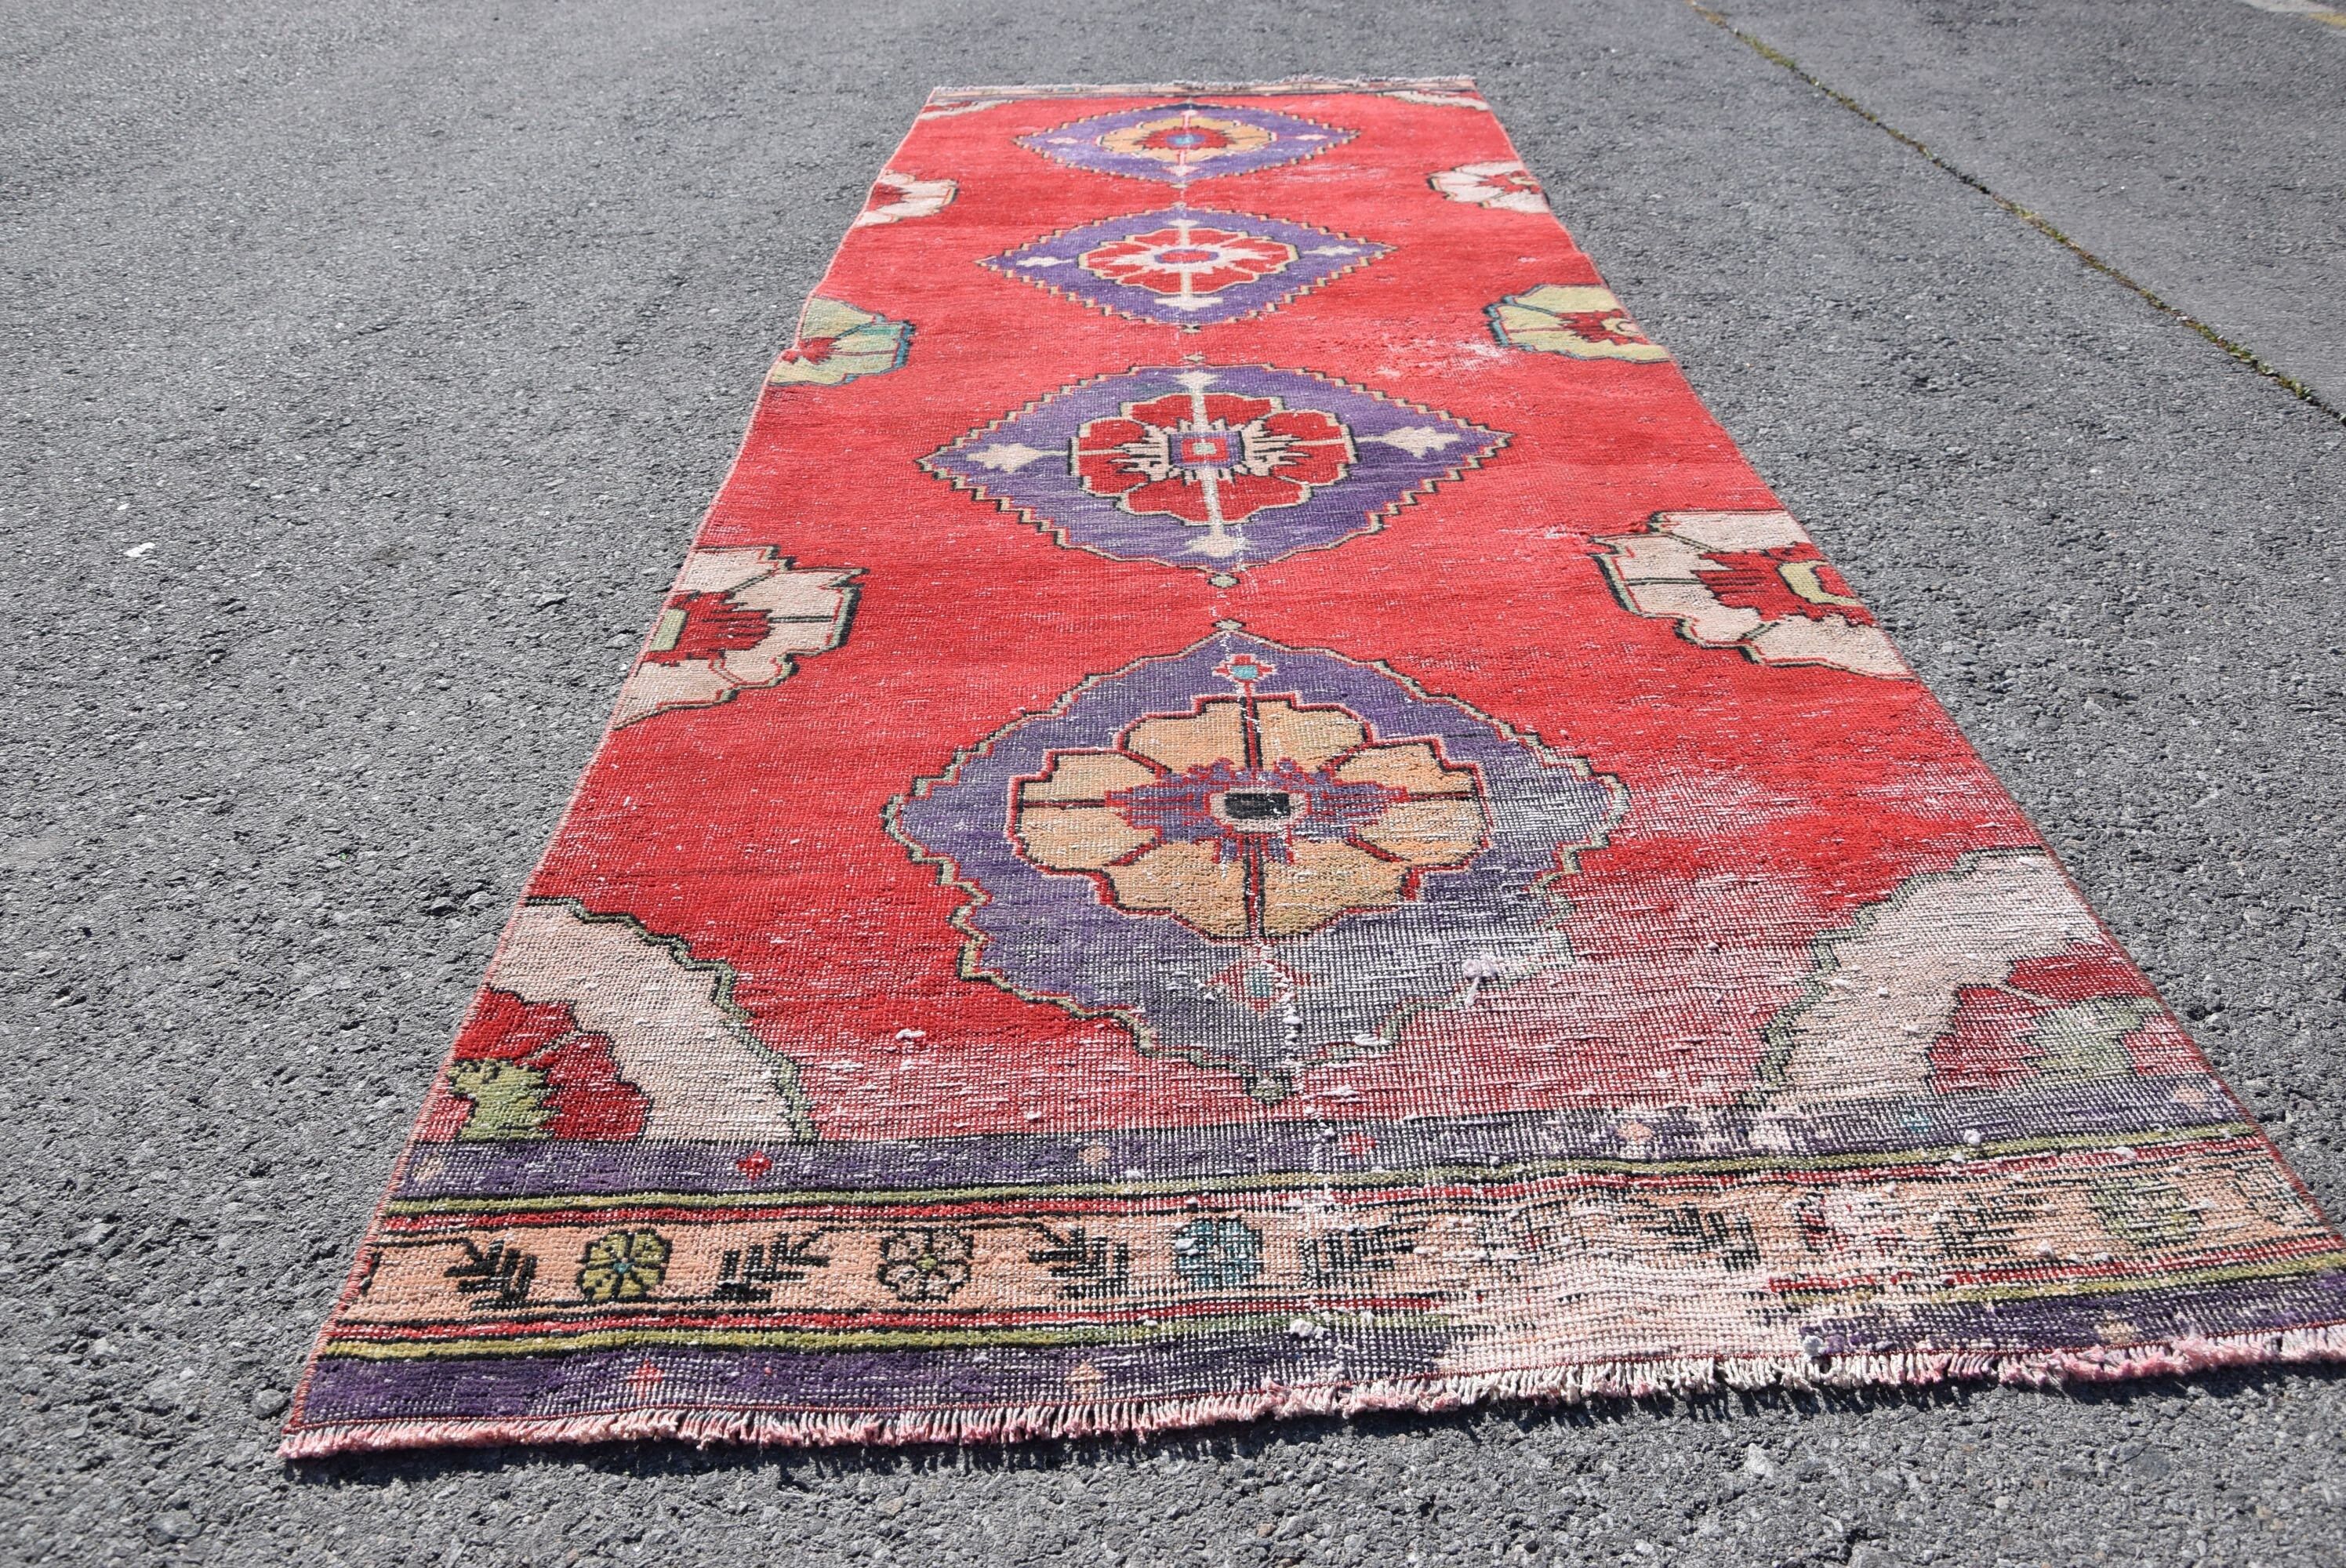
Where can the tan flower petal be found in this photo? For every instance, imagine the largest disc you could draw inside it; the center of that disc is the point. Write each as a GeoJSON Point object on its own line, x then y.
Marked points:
{"type": "Point", "coordinates": [1324, 880]}
{"type": "Point", "coordinates": [1411, 765]}
{"type": "Point", "coordinates": [1189, 880]}
{"type": "Point", "coordinates": [1085, 776]}
{"type": "Point", "coordinates": [1306, 736]}
{"type": "Point", "coordinates": [1430, 832]}
{"type": "Point", "coordinates": [1213, 734]}
{"type": "Point", "coordinates": [1077, 838]}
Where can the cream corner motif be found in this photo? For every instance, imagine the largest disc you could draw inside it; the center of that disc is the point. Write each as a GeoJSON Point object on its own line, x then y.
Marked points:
{"type": "Point", "coordinates": [1752, 580]}
{"type": "Point", "coordinates": [737, 619]}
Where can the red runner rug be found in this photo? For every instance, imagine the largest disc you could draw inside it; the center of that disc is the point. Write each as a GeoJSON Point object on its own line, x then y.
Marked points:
{"type": "Point", "coordinates": [1244, 807]}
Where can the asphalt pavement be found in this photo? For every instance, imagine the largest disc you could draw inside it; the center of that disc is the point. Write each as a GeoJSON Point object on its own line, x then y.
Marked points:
{"type": "Point", "coordinates": [369, 365]}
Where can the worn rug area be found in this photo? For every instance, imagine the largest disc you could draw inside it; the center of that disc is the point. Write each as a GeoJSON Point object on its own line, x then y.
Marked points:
{"type": "Point", "coordinates": [1244, 807]}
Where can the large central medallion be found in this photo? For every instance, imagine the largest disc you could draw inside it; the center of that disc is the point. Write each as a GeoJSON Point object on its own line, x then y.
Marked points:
{"type": "Point", "coordinates": [1211, 467]}
{"type": "Point", "coordinates": [1252, 817]}
{"type": "Point", "coordinates": [1257, 856]}
{"type": "Point", "coordinates": [1178, 143]}
{"type": "Point", "coordinates": [1186, 267]}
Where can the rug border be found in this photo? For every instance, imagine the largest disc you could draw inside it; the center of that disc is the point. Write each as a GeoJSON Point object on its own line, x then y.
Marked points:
{"type": "Point", "coordinates": [1569, 1384]}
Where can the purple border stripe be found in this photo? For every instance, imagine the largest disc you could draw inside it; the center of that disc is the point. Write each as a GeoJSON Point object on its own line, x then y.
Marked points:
{"type": "Point", "coordinates": [2156, 1313]}
{"type": "Point", "coordinates": [546, 1167]}
{"type": "Point", "coordinates": [347, 1389]}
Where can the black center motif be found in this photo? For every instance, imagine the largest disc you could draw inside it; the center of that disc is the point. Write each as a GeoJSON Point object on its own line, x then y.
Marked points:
{"type": "Point", "coordinates": [1258, 805]}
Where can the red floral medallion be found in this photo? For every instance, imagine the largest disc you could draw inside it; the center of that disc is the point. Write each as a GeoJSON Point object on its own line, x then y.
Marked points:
{"type": "Point", "coordinates": [1211, 458]}
{"type": "Point", "coordinates": [1185, 259]}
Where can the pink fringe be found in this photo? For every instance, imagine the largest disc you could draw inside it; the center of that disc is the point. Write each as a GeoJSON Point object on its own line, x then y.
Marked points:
{"type": "Point", "coordinates": [1566, 1384]}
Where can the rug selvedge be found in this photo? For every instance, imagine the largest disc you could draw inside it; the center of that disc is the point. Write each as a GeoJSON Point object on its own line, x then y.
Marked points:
{"type": "Point", "coordinates": [1349, 856]}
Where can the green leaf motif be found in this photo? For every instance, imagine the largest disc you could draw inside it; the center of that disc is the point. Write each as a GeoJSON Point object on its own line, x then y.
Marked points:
{"type": "Point", "coordinates": [509, 1100]}
{"type": "Point", "coordinates": [2146, 1209]}
{"type": "Point", "coordinates": [2086, 1041]}
{"type": "Point", "coordinates": [837, 343]}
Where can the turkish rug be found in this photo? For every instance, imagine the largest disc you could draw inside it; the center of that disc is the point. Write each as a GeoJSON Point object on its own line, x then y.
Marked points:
{"type": "Point", "coordinates": [1244, 807]}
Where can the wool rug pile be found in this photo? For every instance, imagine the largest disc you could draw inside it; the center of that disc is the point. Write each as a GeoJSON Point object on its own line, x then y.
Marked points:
{"type": "Point", "coordinates": [1244, 807]}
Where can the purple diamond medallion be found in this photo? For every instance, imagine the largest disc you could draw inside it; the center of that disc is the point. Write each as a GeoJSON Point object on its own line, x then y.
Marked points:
{"type": "Point", "coordinates": [1211, 467]}
{"type": "Point", "coordinates": [1186, 267]}
{"type": "Point", "coordinates": [1260, 858]}
{"type": "Point", "coordinates": [1178, 143]}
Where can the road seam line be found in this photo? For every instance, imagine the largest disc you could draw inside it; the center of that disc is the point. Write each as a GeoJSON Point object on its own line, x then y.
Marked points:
{"type": "Point", "coordinates": [2238, 349]}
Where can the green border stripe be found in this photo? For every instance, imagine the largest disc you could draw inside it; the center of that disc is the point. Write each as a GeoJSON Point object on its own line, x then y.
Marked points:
{"type": "Point", "coordinates": [816, 1339]}
{"type": "Point", "coordinates": [2114, 1285]}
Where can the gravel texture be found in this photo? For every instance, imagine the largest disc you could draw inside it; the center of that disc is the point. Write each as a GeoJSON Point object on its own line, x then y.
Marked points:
{"type": "Point", "coordinates": [370, 364]}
